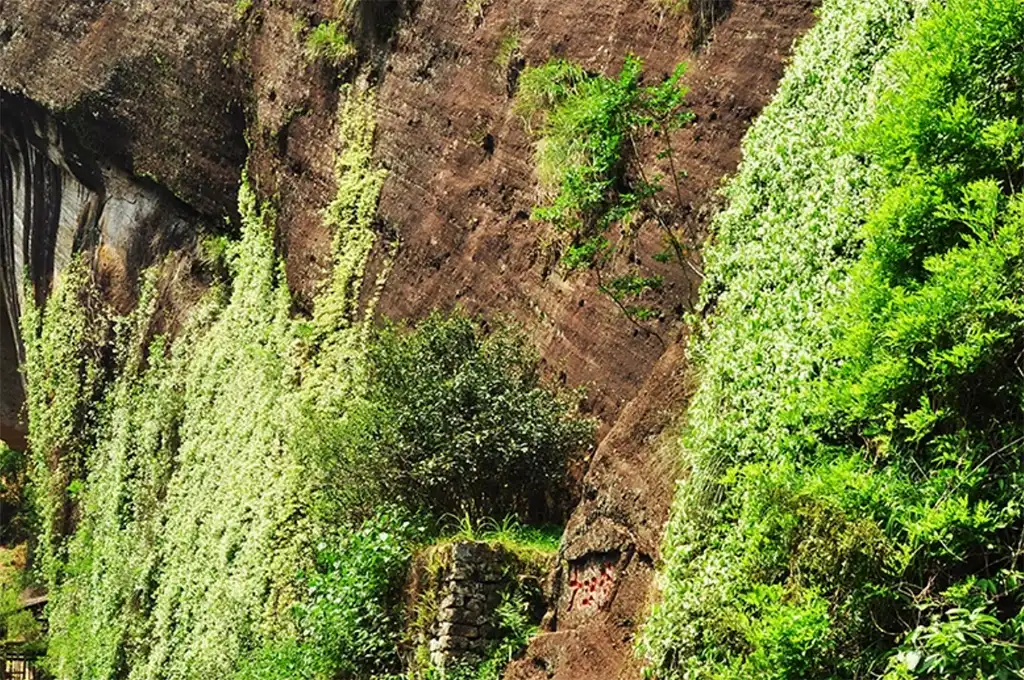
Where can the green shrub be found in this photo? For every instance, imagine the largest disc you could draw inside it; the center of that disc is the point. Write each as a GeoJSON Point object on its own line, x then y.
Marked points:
{"type": "Point", "coordinates": [454, 420]}
{"type": "Point", "coordinates": [587, 135]}
{"type": "Point", "coordinates": [589, 130]}
{"type": "Point", "coordinates": [962, 643]}
{"type": "Point", "coordinates": [508, 51]}
{"type": "Point", "coordinates": [242, 8]}
{"type": "Point", "coordinates": [17, 625]}
{"type": "Point", "coordinates": [352, 612]}
{"type": "Point", "coordinates": [328, 42]}
{"type": "Point", "coordinates": [12, 494]}
{"type": "Point", "coordinates": [350, 621]}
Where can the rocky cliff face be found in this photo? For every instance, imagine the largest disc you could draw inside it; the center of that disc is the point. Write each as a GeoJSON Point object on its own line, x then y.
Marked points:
{"type": "Point", "coordinates": [124, 133]}
{"type": "Point", "coordinates": [58, 201]}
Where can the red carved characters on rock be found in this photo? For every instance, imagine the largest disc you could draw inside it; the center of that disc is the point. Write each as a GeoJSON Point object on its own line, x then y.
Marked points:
{"type": "Point", "coordinates": [591, 584]}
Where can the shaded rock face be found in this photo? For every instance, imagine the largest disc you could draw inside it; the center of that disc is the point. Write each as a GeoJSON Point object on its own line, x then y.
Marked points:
{"type": "Point", "coordinates": [56, 200]}
{"type": "Point", "coordinates": [155, 88]}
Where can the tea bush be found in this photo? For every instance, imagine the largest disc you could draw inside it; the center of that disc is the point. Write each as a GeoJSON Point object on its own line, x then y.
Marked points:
{"type": "Point", "coordinates": [455, 421]}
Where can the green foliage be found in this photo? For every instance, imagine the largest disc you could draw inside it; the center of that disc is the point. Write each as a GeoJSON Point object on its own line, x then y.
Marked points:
{"type": "Point", "coordinates": [588, 123]}
{"type": "Point", "coordinates": [17, 626]}
{"type": "Point", "coordinates": [196, 511]}
{"type": "Point", "coordinates": [333, 340]}
{"type": "Point", "coordinates": [242, 8]}
{"type": "Point", "coordinates": [328, 42]}
{"type": "Point", "coordinates": [961, 643]}
{"type": "Point", "coordinates": [855, 495]}
{"type": "Point", "coordinates": [11, 464]}
{"type": "Point", "coordinates": [190, 490]}
{"type": "Point", "coordinates": [63, 363]}
{"type": "Point", "coordinates": [508, 51]}
{"type": "Point", "coordinates": [13, 501]}
{"type": "Point", "coordinates": [207, 539]}
{"type": "Point", "coordinates": [349, 620]}
{"type": "Point", "coordinates": [453, 420]}
{"type": "Point", "coordinates": [475, 8]}
{"type": "Point", "coordinates": [351, 611]}
{"type": "Point", "coordinates": [590, 127]}
{"type": "Point", "coordinates": [525, 541]}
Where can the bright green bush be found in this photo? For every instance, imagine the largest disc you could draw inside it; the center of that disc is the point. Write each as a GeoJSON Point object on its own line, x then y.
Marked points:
{"type": "Point", "coordinates": [18, 627]}
{"type": "Point", "coordinates": [329, 42]}
{"type": "Point", "coordinates": [453, 421]}
{"type": "Point", "coordinates": [856, 486]}
{"type": "Point", "coordinates": [350, 621]}
{"type": "Point", "coordinates": [588, 135]}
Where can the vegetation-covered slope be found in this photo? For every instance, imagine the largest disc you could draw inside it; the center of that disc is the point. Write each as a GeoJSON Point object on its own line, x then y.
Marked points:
{"type": "Point", "coordinates": [854, 496]}
{"type": "Point", "coordinates": [245, 498]}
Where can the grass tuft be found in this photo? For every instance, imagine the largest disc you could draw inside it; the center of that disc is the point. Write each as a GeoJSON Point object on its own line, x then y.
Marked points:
{"type": "Point", "coordinates": [329, 43]}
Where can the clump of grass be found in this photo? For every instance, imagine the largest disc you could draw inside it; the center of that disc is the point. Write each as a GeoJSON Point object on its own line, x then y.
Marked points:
{"type": "Point", "coordinates": [508, 50]}
{"type": "Point", "coordinates": [242, 8]}
{"type": "Point", "coordinates": [508, 533]}
{"type": "Point", "coordinates": [673, 8]}
{"type": "Point", "coordinates": [475, 8]}
{"type": "Point", "coordinates": [328, 42]}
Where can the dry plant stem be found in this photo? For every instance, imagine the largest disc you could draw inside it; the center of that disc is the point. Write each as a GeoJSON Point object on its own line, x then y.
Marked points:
{"type": "Point", "coordinates": [618, 303]}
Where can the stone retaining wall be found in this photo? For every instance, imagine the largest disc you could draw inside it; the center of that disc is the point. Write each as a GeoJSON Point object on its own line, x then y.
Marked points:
{"type": "Point", "coordinates": [470, 589]}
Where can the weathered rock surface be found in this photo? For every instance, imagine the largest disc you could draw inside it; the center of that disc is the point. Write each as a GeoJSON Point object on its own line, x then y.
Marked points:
{"type": "Point", "coordinates": [155, 88]}
{"type": "Point", "coordinates": [57, 199]}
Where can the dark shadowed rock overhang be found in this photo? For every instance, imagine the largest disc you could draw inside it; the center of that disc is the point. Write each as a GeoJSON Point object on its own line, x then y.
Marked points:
{"type": "Point", "coordinates": [58, 200]}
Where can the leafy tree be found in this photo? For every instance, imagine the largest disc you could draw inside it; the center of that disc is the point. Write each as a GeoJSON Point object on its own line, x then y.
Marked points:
{"type": "Point", "coordinates": [590, 131]}
{"type": "Point", "coordinates": [454, 420]}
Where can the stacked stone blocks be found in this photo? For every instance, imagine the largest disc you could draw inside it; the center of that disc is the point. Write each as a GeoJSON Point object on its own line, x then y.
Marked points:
{"type": "Point", "coordinates": [470, 588]}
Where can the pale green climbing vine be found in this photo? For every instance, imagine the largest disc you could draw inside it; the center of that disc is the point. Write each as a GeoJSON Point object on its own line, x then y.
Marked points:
{"type": "Point", "coordinates": [194, 519]}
